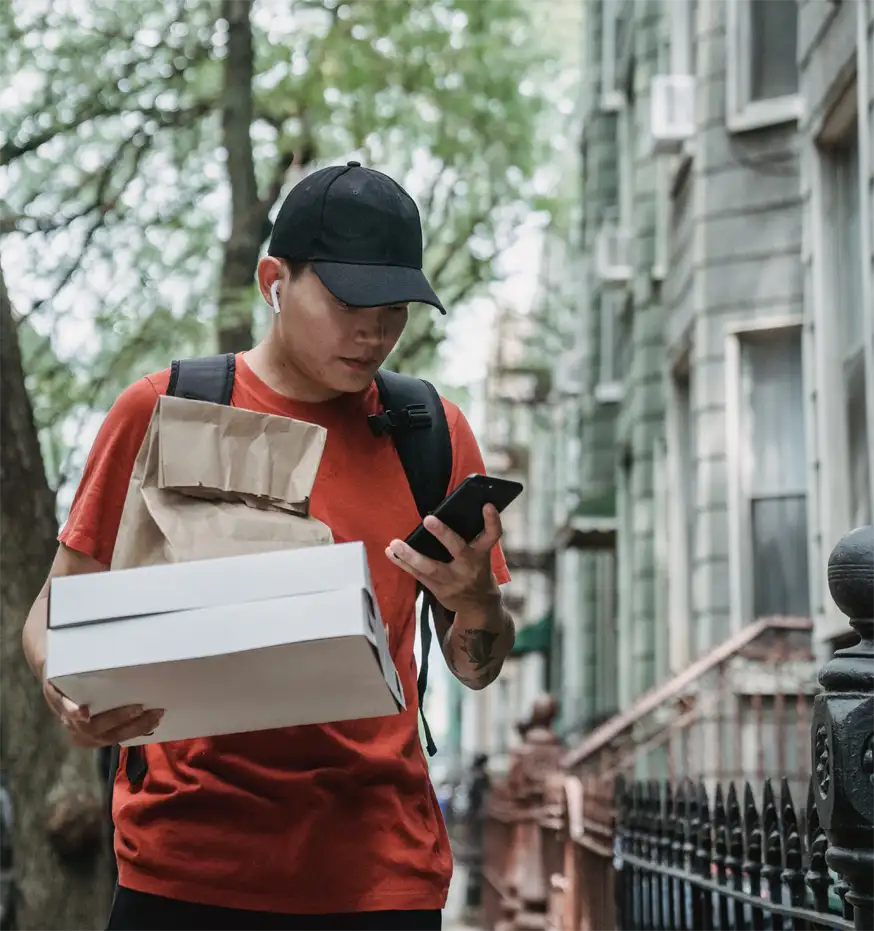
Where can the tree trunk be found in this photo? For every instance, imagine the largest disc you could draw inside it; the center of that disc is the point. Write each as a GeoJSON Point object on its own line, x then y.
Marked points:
{"type": "Point", "coordinates": [241, 251]}
{"type": "Point", "coordinates": [61, 857]}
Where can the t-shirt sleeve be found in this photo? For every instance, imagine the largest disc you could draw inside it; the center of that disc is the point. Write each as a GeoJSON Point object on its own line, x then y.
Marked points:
{"type": "Point", "coordinates": [466, 460]}
{"type": "Point", "coordinates": [95, 515]}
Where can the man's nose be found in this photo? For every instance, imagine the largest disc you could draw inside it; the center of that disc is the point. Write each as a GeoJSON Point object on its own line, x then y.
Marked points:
{"type": "Point", "coordinates": [371, 327]}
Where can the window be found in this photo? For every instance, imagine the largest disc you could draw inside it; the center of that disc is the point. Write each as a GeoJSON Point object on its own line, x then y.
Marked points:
{"type": "Point", "coordinates": [626, 146]}
{"type": "Point", "coordinates": [762, 83]}
{"type": "Point", "coordinates": [684, 44]}
{"type": "Point", "coordinates": [606, 672]}
{"type": "Point", "coordinates": [773, 471]}
{"type": "Point", "coordinates": [614, 355]}
{"type": "Point", "coordinates": [612, 37]}
{"type": "Point", "coordinates": [847, 282]}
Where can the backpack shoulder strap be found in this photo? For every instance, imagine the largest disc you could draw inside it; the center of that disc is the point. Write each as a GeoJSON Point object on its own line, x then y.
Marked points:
{"type": "Point", "coordinates": [416, 419]}
{"type": "Point", "coordinates": [208, 378]}
{"type": "Point", "coordinates": [423, 445]}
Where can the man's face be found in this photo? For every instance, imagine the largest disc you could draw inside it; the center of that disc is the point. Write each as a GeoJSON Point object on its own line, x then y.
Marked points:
{"type": "Point", "coordinates": [336, 346]}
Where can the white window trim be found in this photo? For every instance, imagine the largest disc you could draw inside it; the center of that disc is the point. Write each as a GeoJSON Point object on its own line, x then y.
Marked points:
{"type": "Point", "coordinates": [662, 252]}
{"type": "Point", "coordinates": [679, 570]}
{"type": "Point", "coordinates": [743, 114]}
{"type": "Point", "coordinates": [678, 12]}
{"type": "Point", "coordinates": [625, 142]}
{"type": "Point", "coordinates": [625, 521]}
{"type": "Point", "coordinates": [830, 458]}
{"type": "Point", "coordinates": [664, 632]}
{"type": "Point", "coordinates": [739, 551]}
{"type": "Point", "coordinates": [612, 97]}
{"type": "Point", "coordinates": [609, 390]}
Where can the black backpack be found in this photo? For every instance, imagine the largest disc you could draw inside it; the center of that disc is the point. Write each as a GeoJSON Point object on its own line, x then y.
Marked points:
{"type": "Point", "coordinates": [413, 416]}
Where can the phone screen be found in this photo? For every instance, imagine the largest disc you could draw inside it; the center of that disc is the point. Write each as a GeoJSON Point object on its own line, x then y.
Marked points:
{"type": "Point", "coordinates": [462, 511]}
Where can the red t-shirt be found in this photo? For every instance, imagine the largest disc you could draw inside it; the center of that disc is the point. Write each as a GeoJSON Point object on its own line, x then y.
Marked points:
{"type": "Point", "coordinates": [319, 818]}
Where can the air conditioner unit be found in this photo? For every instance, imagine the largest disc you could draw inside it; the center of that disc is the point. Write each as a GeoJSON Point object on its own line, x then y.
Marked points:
{"type": "Point", "coordinates": [609, 392]}
{"type": "Point", "coordinates": [672, 112]}
{"type": "Point", "coordinates": [613, 254]}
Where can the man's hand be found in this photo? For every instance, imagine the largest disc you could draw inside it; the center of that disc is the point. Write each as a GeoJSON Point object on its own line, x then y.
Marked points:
{"type": "Point", "coordinates": [85, 730]}
{"type": "Point", "coordinates": [101, 730]}
{"type": "Point", "coordinates": [477, 639]}
{"type": "Point", "coordinates": [465, 582]}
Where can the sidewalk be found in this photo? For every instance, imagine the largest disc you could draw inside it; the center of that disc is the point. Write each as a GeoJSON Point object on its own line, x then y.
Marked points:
{"type": "Point", "coordinates": [453, 915]}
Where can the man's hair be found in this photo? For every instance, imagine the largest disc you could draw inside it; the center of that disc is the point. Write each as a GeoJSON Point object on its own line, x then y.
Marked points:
{"type": "Point", "coordinates": [296, 267]}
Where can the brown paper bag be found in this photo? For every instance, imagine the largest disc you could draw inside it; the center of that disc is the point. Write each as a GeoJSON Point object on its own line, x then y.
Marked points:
{"type": "Point", "coordinates": [211, 480]}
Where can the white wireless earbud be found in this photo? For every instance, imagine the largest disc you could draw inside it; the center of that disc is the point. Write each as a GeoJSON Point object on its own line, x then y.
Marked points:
{"type": "Point", "coordinates": [274, 288]}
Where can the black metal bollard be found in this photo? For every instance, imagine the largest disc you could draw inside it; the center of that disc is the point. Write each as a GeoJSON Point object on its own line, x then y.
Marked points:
{"type": "Point", "coordinates": [842, 731]}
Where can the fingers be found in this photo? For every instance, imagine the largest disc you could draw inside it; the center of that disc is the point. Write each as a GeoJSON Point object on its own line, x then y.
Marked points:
{"type": "Point", "coordinates": [62, 706]}
{"type": "Point", "coordinates": [100, 730]}
{"type": "Point", "coordinates": [415, 563]}
{"type": "Point", "coordinates": [493, 530]}
{"type": "Point", "coordinates": [122, 728]}
{"type": "Point", "coordinates": [454, 544]}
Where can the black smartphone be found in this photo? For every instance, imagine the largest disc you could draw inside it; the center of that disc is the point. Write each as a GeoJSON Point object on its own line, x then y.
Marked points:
{"type": "Point", "coordinates": [462, 511]}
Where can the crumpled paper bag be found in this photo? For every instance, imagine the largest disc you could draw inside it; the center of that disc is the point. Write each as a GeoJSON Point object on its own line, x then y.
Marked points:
{"type": "Point", "coordinates": [212, 480]}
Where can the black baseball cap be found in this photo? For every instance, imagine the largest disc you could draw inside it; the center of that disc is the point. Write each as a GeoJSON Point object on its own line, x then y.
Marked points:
{"type": "Point", "coordinates": [360, 231]}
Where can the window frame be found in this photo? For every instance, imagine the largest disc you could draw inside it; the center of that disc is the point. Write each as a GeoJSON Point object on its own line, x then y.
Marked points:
{"type": "Point", "coordinates": [830, 482]}
{"type": "Point", "coordinates": [612, 98]}
{"type": "Point", "coordinates": [742, 113]}
{"type": "Point", "coordinates": [682, 50]}
{"type": "Point", "coordinates": [626, 667]}
{"type": "Point", "coordinates": [613, 305]}
{"type": "Point", "coordinates": [741, 579]}
{"type": "Point", "coordinates": [680, 502]}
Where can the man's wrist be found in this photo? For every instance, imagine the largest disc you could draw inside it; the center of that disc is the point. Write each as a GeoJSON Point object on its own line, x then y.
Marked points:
{"type": "Point", "coordinates": [486, 605]}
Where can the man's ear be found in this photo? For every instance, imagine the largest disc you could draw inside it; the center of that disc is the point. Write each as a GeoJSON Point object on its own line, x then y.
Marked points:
{"type": "Point", "coordinates": [270, 270]}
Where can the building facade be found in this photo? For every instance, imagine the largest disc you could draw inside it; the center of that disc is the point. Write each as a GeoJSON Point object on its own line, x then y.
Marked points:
{"type": "Point", "coordinates": [711, 415]}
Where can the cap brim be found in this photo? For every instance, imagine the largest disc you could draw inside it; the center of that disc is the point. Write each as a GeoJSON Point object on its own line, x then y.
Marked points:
{"type": "Point", "coordinates": [376, 285]}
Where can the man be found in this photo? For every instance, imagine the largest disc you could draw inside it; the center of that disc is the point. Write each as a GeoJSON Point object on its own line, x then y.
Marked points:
{"type": "Point", "coordinates": [332, 826]}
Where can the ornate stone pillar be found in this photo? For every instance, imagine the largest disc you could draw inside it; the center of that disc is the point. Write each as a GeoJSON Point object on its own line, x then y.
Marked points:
{"type": "Point", "coordinates": [843, 725]}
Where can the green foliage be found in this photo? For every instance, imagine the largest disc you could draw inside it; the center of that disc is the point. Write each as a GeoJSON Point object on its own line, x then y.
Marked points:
{"type": "Point", "coordinates": [115, 205]}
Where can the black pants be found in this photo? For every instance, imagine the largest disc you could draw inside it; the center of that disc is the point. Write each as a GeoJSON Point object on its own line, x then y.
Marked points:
{"type": "Point", "coordinates": [137, 911]}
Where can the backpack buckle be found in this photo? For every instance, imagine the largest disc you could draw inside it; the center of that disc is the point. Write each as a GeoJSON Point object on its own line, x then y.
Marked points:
{"type": "Point", "coordinates": [412, 417]}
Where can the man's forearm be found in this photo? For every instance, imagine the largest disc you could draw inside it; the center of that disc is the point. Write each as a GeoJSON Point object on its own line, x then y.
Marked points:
{"type": "Point", "coordinates": [478, 641]}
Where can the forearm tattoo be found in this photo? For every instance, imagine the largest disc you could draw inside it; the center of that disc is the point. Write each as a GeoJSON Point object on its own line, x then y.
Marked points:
{"type": "Point", "coordinates": [478, 646]}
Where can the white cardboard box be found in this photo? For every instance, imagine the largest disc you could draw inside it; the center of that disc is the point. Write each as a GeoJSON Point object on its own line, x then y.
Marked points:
{"type": "Point", "coordinates": [227, 645]}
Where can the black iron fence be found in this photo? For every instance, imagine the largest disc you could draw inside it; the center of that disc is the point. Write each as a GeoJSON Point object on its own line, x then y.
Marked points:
{"type": "Point", "coordinates": [684, 863]}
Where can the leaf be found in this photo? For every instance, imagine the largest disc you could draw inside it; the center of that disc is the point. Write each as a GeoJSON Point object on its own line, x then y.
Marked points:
{"type": "Point", "coordinates": [118, 194]}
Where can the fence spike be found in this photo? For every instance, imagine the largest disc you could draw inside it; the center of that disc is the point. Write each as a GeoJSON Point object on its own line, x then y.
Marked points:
{"type": "Point", "coordinates": [642, 819]}
{"type": "Point", "coordinates": [817, 876]}
{"type": "Point", "coordinates": [734, 836]}
{"type": "Point", "coordinates": [677, 831]}
{"type": "Point", "coordinates": [720, 841]}
{"type": "Point", "coordinates": [705, 828]}
{"type": "Point", "coordinates": [793, 875]}
{"type": "Point", "coordinates": [773, 851]}
{"type": "Point", "coordinates": [655, 820]}
{"type": "Point", "coordinates": [771, 821]}
{"type": "Point", "coordinates": [752, 831]}
{"type": "Point", "coordinates": [666, 821]}
{"type": "Point", "coordinates": [691, 824]}
{"type": "Point", "coordinates": [636, 818]}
